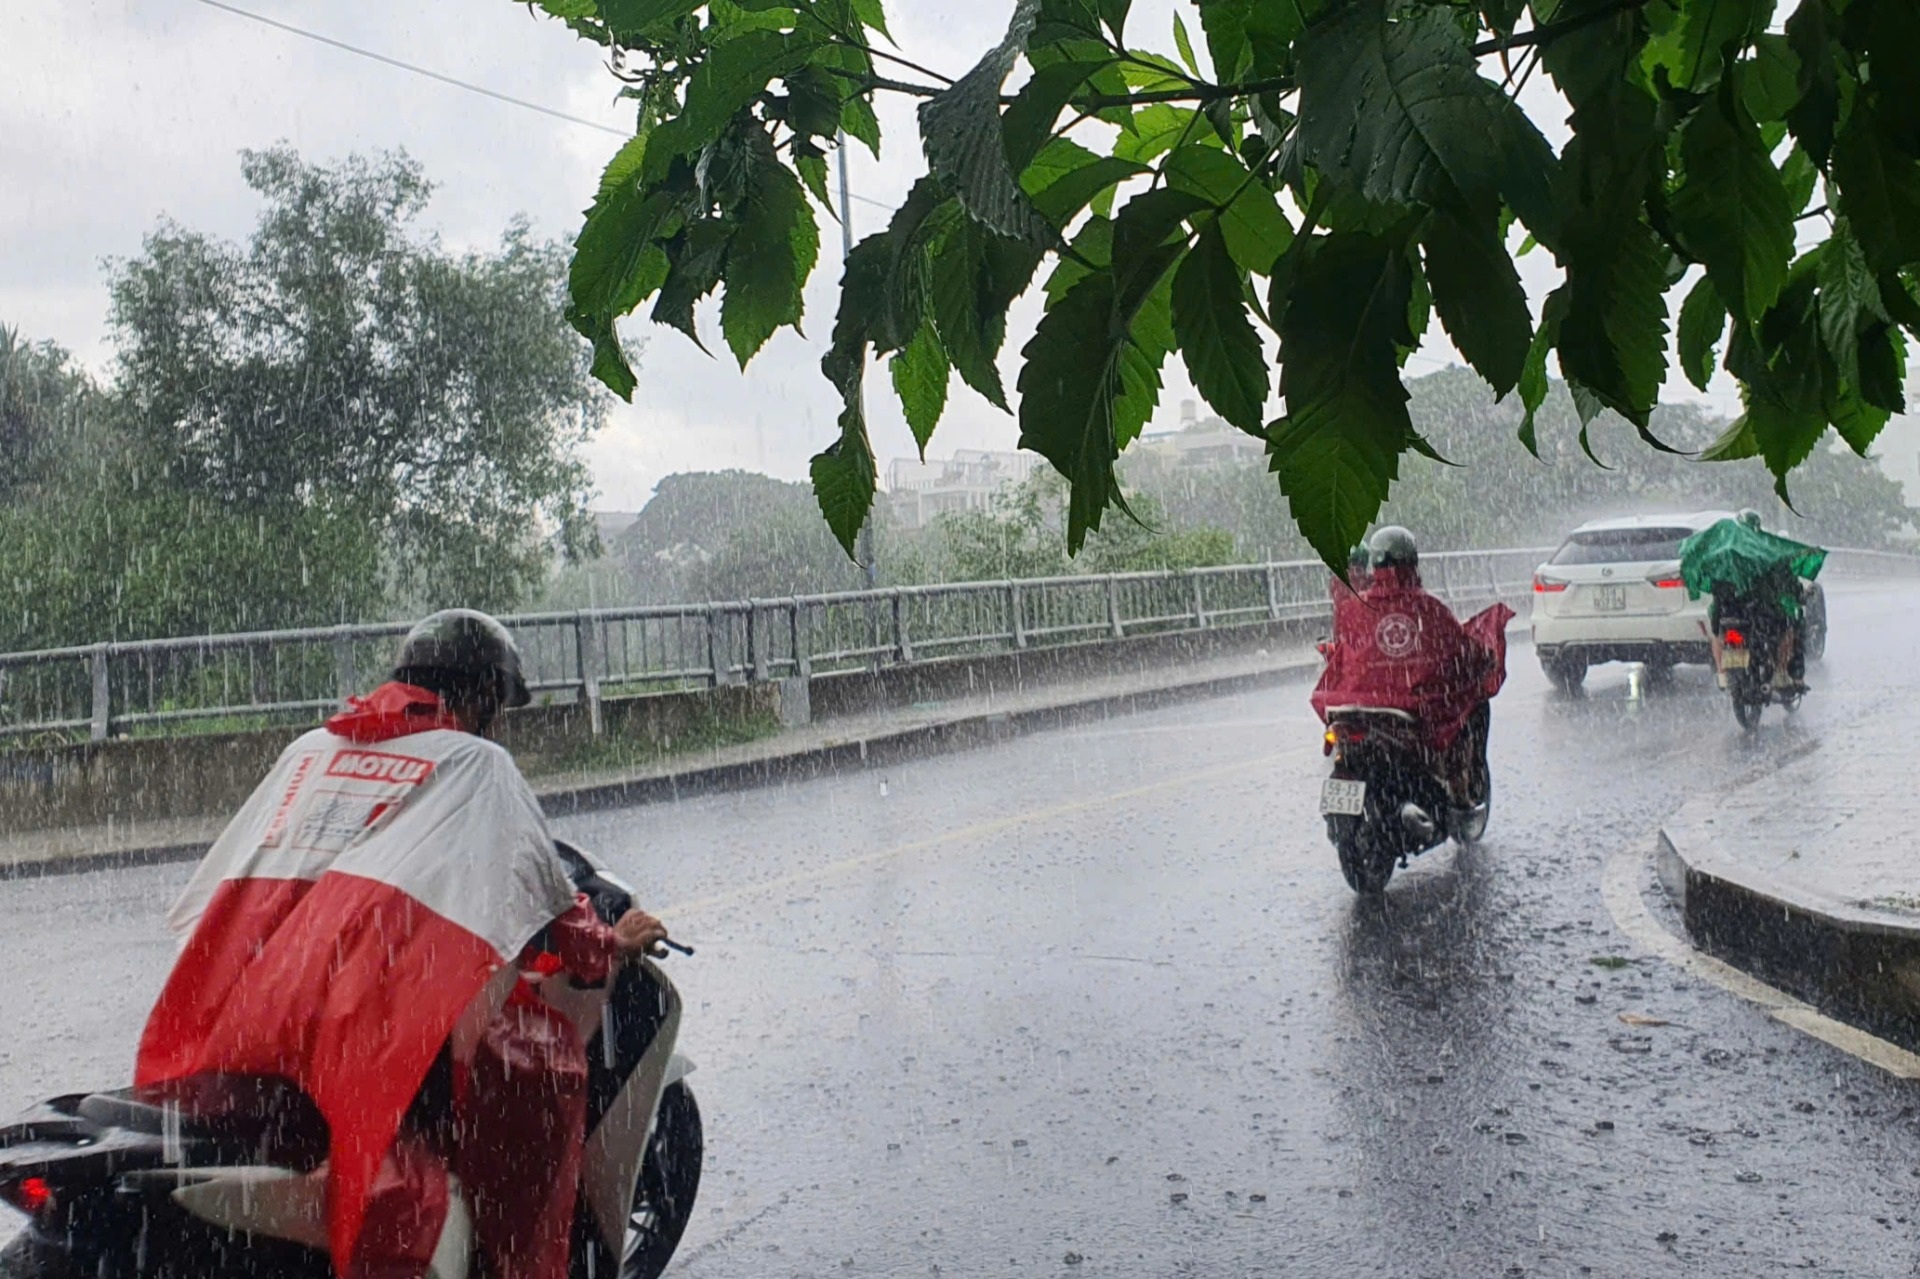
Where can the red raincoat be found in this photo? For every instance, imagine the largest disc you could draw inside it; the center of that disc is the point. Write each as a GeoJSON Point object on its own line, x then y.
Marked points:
{"type": "Point", "coordinates": [277, 979]}
{"type": "Point", "coordinates": [1398, 647]}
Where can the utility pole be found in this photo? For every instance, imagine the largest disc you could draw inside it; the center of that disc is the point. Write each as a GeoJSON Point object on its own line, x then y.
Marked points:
{"type": "Point", "coordinates": [863, 548]}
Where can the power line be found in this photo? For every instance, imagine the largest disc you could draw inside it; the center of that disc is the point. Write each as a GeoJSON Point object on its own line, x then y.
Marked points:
{"type": "Point", "coordinates": [417, 70]}
{"type": "Point", "coordinates": [470, 87]}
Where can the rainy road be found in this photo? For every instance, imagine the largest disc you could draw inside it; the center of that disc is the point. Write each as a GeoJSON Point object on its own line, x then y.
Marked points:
{"type": "Point", "coordinates": [1098, 1002]}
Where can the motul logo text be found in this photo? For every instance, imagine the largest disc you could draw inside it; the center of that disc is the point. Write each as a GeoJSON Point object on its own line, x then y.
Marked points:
{"type": "Point", "coordinates": [373, 766]}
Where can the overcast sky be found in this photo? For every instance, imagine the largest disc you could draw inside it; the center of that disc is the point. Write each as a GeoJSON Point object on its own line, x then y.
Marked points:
{"type": "Point", "coordinates": [114, 113]}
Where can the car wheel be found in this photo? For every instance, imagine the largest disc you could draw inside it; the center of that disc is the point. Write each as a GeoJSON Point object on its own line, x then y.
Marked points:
{"type": "Point", "coordinates": [1566, 671]}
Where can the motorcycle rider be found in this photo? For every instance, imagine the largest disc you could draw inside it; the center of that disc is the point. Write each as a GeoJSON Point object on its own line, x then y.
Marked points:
{"type": "Point", "coordinates": [1400, 647]}
{"type": "Point", "coordinates": [361, 929]}
{"type": "Point", "coordinates": [1777, 599]}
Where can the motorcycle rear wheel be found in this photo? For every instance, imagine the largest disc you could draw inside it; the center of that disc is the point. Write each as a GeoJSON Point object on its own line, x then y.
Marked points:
{"type": "Point", "coordinates": [1747, 710]}
{"type": "Point", "coordinates": [1365, 864]}
{"type": "Point", "coordinates": [669, 1183]}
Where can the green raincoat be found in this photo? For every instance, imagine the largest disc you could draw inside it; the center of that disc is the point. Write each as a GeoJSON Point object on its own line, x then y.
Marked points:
{"type": "Point", "coordinates": [1734, 558]}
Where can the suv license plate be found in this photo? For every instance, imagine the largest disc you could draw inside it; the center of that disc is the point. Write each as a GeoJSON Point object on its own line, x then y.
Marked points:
{"type": "Point", "coordinates": [1610, 599]}
{"type": "Point", "coordinates": [1342, 797]}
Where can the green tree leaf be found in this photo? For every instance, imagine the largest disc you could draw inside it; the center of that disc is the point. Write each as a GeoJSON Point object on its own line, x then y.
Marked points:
{"type": "Point", "coordinates": [920, 373]}
{"type": "Point", "coordinates": [1816, 114]}
{"type": "Point", "coordinates": [1065, 176]}
{"type": "Point", "coordinates": [1613, 335]}
{"type": "Point", "coordinates": [1849, 301]}
{"type": "Point", "coordinates": [1257, 232]}
{"type": "Point", "coordinates": [1769, 81]}
{"type": "Point", "coordinates": [1703, 318]}
{"type": "Point", "coordinates": [1210, 320]}
{"type": "Point", "coordinates": [630, 20]}
{"type": "Point", "coordinates": [734, 73]}
{"type": "Point", "coordinates": [1879, 188]}
{"type": "Point", "coordinates": [769, 260]}
{"type": "Point", "coordinates": [1707, 29]}
{"type": "Point", "coordinates": [1478, 294]}
{"type": "Point", "coordinates": [961, 131]}
{"type": "Point", "coordinates": [1533, 377]}
{"type": "Point", "coordinates": [844, 480]}
{"type": "Point", "coordinates": [1337, 450]}
{"type": "Point", "coordinates": [1185, 44]}
{"type": "Point", "coordinates": [1225, 24]}
{"type": "Point", "coordinates": [1398, 112]}
{"type": "Point", "coordinates": [1732, 211]}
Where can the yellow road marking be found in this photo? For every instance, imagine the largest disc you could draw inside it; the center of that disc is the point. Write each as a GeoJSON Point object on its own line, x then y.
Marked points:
{"type": "Point", "coordinates": [979, 830]}
{"type": "Point", "coordinates": [1620, 887]}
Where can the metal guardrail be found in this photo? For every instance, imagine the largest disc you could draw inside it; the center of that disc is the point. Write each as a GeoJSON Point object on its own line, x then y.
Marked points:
{"type": "Point", "coordinates": [154, 687]}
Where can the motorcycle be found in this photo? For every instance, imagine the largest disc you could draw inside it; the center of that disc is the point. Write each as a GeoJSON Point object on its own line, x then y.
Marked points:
{"type": "Point", "coordinates": [1747, 666]}
{"type": "Point", "coordinates": [1386, 802]}
{"type": "Point", "coordinates": [115, 1187]}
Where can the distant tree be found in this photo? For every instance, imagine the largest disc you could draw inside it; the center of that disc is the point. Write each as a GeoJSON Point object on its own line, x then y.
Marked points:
{"type": "Point", "coordinates": [42, 403]}
{"type": "Point", "coordinates": [1019, 536]}
{"type": "Point", "coordinates": [340, 359]}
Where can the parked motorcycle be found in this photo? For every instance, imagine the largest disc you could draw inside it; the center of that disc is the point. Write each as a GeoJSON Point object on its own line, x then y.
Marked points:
{"type": "Point", "coordinates": [115, 1187]}
{"type": "Point", "coordinates": [1386, 801]}
{"type": "Point", "coordinates": [1747, 665]}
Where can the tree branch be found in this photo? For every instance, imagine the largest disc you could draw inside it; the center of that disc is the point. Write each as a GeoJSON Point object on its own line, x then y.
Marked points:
{"type": "Point", "coordinates": [1554, 30]}
{"type": "Point", "coordinates": [872, 52]}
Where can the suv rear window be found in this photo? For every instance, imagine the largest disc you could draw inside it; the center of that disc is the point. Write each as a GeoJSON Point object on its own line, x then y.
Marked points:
{"type": "Point", "coordinates": [1622, 546]}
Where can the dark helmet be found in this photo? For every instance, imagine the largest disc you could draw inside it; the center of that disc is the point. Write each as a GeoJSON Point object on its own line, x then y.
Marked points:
{"type": "Point", "coordinates": [1359, 559]}
{"type": "Point", "coordinates": [1750, 518]}
{"type": "Point", "coordinates": [1394, 547]}
{"type": "Point", "coordinates": [463, 655]}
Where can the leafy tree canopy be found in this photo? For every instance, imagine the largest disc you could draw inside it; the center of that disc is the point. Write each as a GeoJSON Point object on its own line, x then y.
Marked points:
{"type": "Point", "coordinates": [341, 361]}
{"type": "Point", "coordinates": [1320, 178]}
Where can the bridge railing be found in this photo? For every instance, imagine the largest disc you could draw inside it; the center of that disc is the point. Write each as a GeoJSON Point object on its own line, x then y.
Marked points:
{"type": "Point", "coordinates": [168, 686]}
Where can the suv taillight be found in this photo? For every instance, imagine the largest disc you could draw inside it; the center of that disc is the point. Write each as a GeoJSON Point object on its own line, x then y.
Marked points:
{"type": "Point", "coordinates": [1546, 585]}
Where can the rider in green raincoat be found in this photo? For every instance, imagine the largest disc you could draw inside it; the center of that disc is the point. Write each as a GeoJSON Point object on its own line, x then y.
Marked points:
{"type": "Point", "coordinates": [1742, 565]}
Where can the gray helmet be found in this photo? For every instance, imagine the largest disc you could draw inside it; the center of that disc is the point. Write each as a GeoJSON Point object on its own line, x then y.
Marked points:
{"type": "Point", "coordinates": [1394, 547]}
{"type": "Point", "coordinates": [1360, 558]}
{"type": "Point", "coordinates": [1750, 518]}
{"type": "Point", "coordinates": [463, 654]}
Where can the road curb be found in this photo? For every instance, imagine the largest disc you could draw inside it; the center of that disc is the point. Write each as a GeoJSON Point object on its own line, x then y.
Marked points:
{"type": "Point", "coordinates": [1857, 965]}
{"type": "Point", "coordinates": [913, 741]}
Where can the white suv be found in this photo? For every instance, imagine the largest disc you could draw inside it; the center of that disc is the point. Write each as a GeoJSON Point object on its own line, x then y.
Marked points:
{"type": "Point", "coordinates": [1612, 593]}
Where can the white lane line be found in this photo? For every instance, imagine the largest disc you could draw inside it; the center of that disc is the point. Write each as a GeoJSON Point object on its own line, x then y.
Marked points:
{"type": "Point", "coordinates": [1620, 887]}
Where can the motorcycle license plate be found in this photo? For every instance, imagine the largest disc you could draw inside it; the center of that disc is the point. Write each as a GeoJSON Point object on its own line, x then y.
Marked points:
{"type": "Point", "coordinates": [1342, 797]}
{"type": "Point", "coordinates": [1733, 659]}
{"type": "Point", "coordinates": [1610, 599]}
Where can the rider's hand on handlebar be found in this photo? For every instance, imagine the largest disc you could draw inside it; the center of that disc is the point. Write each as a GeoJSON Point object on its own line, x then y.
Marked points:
{"type": "Point", "coordinates": [638, 933]}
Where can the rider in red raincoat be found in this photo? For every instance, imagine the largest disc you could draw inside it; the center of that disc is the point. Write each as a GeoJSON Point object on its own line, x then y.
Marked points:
{"type": "Point", "coordinates": [272, 983]}
{"type": "Point", "coordinates": [1400, 648]}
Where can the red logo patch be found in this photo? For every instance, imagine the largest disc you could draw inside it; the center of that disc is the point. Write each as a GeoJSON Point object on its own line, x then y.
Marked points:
{"type": "Point", "coordinates": [377, 766]}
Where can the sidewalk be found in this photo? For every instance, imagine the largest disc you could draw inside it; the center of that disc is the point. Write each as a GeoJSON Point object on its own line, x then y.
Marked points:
{"type": "Point", "coordinates": [1810, 876]}
{"type": "Point", "coordinates": [816, 749]}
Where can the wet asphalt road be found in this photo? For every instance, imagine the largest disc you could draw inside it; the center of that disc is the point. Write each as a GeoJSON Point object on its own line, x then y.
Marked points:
{"type": "Point", "coordinates": [1098, 1002]}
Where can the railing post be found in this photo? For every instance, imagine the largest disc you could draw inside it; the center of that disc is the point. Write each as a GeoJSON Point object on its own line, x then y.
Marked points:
{"type": "Point", "coordinates": [1446, 580]}
{"type": "Point", "coordinates": [756, 644]}
{"type": "Point", "coordinates": [1113, 607]}
{"type": "Point", "coordinates": [715, 676]}
{"type": "Point", "coordinates": [102, 692]}
{"type": "Point", "coordinates": [902, 643]}
{"type": "Point", "coordinates": [586, 648]}
{"type": "Point", "coordinates": [802, 640]}
{"type": "Point", "coordinates": [345, 678]}
{"type": "Point", "coordinates": [1199, 605]}
{"type": "Point", "coordinates": [1273, 593]}
{"type": "Point", "coordinates": [1017, 622]}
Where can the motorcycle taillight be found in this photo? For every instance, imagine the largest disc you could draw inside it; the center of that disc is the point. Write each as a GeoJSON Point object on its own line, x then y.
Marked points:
{"type": "Point", "coordinates": [1735, 639]}
{"type": "Point", "coordinates": [31, 1195]}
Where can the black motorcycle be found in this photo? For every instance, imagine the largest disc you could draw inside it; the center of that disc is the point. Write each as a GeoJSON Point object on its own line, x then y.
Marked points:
{"type": "Point", "coordinates": [1386, 799]}
{"type": "Point", "coordinates": [115, 1187]}
{"type": "Point", "coordinates": [1748, 664]}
